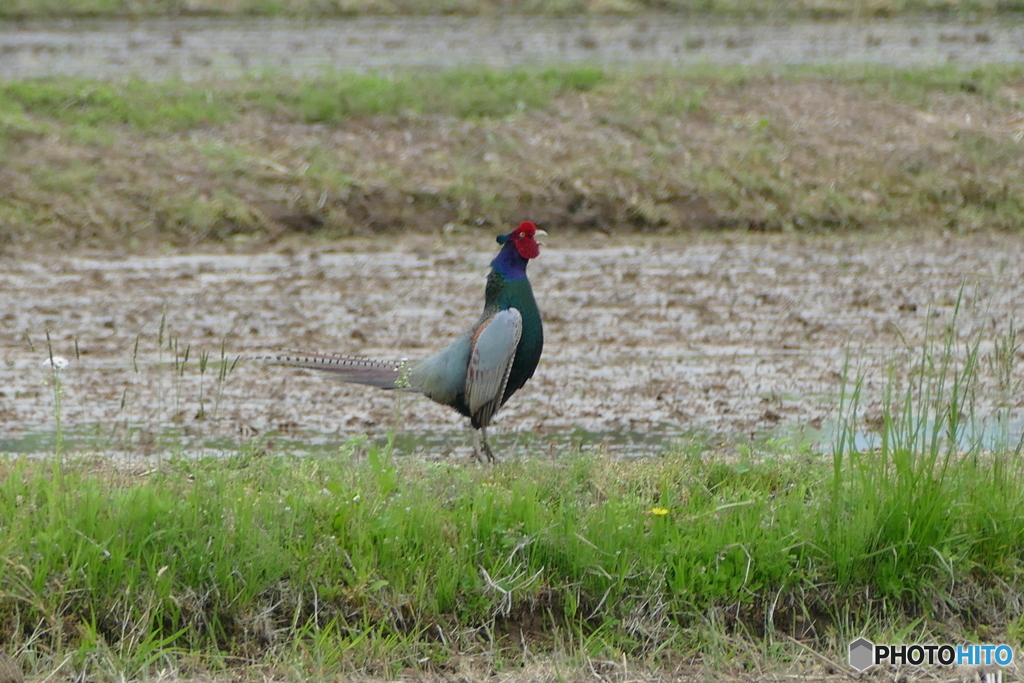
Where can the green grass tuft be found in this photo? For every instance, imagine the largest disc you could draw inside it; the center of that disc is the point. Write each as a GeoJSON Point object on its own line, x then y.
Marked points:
{"type": "Point", "coordinates": [174, 106]}
{"type": "Point", "coordinates": [146, 106]}
{"type": "Point", "coordinates": [938, 495]}
{"type": "Point", "coordinates": [463, 93]}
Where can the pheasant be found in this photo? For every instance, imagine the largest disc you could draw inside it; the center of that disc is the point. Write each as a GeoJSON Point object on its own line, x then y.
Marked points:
{"type": "Point", "coordinates": [478, 372]}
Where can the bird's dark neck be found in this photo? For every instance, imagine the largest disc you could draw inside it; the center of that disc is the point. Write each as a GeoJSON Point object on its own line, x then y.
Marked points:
{"type": "Point", "coordinates": [509, 264]}
{"type": "Point", "coordinates": [508, 287]}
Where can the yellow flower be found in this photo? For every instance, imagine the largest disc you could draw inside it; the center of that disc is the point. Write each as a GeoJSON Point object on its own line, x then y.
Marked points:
{"type": "Point", "coordinates": [660, 512]}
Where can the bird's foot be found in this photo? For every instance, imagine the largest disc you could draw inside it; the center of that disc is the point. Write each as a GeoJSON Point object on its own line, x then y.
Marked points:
{"type": "Point", "coordinates": [488, 453]}
{"type": "Point", "coordinates": [482, 449]}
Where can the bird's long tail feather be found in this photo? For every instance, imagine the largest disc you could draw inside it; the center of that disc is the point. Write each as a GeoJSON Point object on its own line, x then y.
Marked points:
{"type": "Point", "coordinates": [386, 374]}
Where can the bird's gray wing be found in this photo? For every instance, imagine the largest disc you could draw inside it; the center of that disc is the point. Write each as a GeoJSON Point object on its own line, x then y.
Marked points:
{"type": "Point", "coordinates": [491, 353]}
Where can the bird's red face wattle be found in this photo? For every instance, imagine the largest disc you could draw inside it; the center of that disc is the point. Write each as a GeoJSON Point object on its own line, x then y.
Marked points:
{"type": "Point", "coordinates": [524, 239]}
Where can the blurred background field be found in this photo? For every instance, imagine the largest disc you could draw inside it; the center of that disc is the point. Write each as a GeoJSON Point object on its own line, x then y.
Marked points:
{"type": "Point", "coordinates": [744, 9]}
{"type": "Point", "coordinates": [132, 164]}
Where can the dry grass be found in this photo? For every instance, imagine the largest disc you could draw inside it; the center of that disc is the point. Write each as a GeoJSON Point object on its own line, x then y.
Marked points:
{"type": "Point", "coordinates": [669, 152]}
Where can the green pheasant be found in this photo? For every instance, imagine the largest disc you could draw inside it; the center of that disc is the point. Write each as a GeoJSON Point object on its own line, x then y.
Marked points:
{"type": "Point", "coordinates": [478, 372]}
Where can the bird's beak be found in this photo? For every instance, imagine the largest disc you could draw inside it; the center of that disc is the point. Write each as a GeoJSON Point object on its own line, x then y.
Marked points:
{"type": "Point", "coordinates": [540, 233]}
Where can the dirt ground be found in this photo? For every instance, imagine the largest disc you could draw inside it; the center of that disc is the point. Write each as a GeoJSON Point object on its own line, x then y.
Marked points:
{"type": "Point", "coordinates": [646, 338]}
{"type": "Point", "coordinates": [817, 670]}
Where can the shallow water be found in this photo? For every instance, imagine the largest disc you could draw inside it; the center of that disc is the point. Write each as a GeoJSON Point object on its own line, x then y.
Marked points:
{"type": "Point", "coordinates": [121, 442]}
{"type": "Point", "coordinates": [205, 49]}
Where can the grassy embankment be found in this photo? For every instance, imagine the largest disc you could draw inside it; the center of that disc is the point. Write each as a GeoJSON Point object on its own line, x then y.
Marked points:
{"type": "Point", "coordinates": [310, 567]}
{"type": "Point", "coordinates": [136, 165]}
{"type": "Point", "coordinates": [712, 8]}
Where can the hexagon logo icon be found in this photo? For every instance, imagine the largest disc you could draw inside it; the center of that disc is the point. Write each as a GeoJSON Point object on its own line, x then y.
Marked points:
{"type": "Point", "coordinates": [862, 654]}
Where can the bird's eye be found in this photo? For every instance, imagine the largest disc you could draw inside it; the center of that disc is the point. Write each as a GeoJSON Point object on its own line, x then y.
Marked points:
{"type": "Point", "coordinates": [522, 234]}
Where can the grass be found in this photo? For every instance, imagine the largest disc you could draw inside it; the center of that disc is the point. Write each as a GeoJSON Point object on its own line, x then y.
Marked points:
{"type": "Point", "coordinates": [461, 94]}
{"type": "Point", "coordinates": [136, 104]}
{"type": "Point", "coordinates": [817, 9]}
{"type": "Point", "coordinates": [176, 106]}
{"type": "Point", "coordinates": [357, 561]}
{"type": "Point", "coordinates": [136, 165]}
{"type": "Point", "coordinates": [923, 475]}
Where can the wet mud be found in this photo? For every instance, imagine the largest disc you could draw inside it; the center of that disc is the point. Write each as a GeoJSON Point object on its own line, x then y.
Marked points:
{"type": "Point", "coordinates": [650, 337]}
{"type": "Point", "coordinates": [209, 49]}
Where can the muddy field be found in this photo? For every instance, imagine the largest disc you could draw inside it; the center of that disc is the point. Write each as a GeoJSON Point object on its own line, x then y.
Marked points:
{"type": "Point", "coordinates": [198, 49]}
{"type": "Point", "coordinates": [645, 338]}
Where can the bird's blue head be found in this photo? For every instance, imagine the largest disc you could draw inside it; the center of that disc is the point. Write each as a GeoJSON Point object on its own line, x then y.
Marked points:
{"type": "Point", "coordinates": [518, 247]}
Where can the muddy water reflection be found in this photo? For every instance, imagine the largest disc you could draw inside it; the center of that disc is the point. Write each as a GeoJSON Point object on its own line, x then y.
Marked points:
{"type": "Point", "coordinates": [123, 442]}
{"type": "Point", "coordinates": [198, 49]}
{"type": "Point", "coordinates": [654, 337]}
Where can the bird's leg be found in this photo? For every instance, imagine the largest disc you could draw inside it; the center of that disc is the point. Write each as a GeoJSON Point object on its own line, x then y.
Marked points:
{"type": "Point", "coordinates": [487, 446]}
{"type": "Point", "coordinates": [481, 448]}
{"type": "Point", "coordinates": [477, 451]}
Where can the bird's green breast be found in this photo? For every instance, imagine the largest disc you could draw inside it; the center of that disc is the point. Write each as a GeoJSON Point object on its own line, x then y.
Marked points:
{"type": "Point", "coordinates": [518, 294]}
